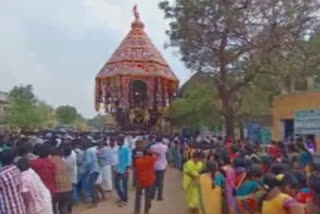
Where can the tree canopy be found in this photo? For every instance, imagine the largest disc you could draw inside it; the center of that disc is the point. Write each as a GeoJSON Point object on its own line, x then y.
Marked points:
{"type": "Point", "coordinates": [26, 111]}
{"type": "Point", "coordinates": [67, 114]}
{"type": "Point", "coordinates": [98, 122]}
{"type": "Point", "coordinates": [235, 40]}
{"type": "Point", "coordinates": [196, 107]}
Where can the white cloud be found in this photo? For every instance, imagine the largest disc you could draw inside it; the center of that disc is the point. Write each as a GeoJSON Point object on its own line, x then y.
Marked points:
{"type": "Point", "coordinates": [18, 64]}
{"type": "Point", "coordinates": [59, 46]}
{"type": "Point", "coordinates": [109, 15]}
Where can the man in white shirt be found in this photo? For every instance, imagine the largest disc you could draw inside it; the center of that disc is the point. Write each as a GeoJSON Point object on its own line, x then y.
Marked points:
{"type": "Point", "coordinates": [70, 158]}
{"type": "Point", "coordinates": [160, 167]}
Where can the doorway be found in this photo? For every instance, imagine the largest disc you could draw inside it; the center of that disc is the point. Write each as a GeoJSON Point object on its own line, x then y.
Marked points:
{"type": "Point", "coordinates": [138, 94]}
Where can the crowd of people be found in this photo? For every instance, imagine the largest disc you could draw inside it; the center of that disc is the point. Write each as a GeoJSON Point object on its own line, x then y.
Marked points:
{"type": "Point", "coordinates": [49, 172]}
{"type": "Point", "coordinates": [223, 176]}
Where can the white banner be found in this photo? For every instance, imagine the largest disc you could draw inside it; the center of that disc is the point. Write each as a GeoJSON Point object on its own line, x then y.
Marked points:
{"type": "Point", "coordinates": [307, 122]}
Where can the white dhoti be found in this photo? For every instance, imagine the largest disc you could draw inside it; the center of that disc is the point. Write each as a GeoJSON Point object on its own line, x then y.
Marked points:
{"type": "Point", "coordinates": [106, 175]}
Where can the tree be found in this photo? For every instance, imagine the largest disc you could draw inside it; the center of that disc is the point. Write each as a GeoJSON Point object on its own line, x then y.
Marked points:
{"type": "Point", "coordinates": [196, 107]}
{"type": "Point", "coordinates": [66, 114]}
{"type": "Point", "coordinates": [292, 65]}
{"type": "Point", "coordinates": [2, 117]}
{"type": "Point", "coordinates": [234, 39]}
{"type": "Point", "coordinates": [47, 115]}
{"type": "Point", "coordinates": [98, 122]}
{"type": "Point", "coordinates": [80, 124]}
{"type": "Point", "coordinates": [257, 96]}
{"type": "Point", "coordinates": [22, 108]}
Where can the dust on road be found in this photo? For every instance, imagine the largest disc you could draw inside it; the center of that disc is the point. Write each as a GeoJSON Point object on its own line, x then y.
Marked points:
{"type": "Point", "coordinates": [173, 200]}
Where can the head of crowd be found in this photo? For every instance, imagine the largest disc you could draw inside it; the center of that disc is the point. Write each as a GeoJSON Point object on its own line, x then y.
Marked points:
{"type": "Point", "coordinates": [257, 174]}
{"type": "Point", "coordinates": [72, 166]}
{"type": "Point", "coordinates": [291, 167]}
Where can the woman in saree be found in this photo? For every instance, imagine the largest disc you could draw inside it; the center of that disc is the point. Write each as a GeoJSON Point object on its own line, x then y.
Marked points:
{"type": "Point", "coordinates": [171, 154]}
{"type": "Point", "coordinates": [211, 190]}
{"type": "Point", "coordinates": [245, 191]}
{"type": "Point", "coordinates": [305, 157]}
{"type": "Point", "coordinates": [234, 173]}
{"type": "Point", "coordinates": [191, 171]}
{"type": "Point", "coordinates": [175, 154]}
{"type": "Point", "coordinates": [313, 205]}
{"type": "Point", "coordinates": [276, 199]}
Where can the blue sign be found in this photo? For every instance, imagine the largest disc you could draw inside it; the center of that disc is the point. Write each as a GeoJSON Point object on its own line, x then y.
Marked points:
{"type": "Point", "coordinates": [258, 134]}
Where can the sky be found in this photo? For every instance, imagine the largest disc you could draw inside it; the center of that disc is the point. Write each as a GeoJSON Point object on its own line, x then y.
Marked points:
{"type": "Point", "coordinates": [59, 46]}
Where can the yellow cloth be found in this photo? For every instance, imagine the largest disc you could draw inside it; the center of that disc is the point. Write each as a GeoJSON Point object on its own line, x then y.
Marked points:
{"type": "Point", "coordinates": [190, 185]}
{"type": "Point", "coordinates": [211, 198]}
{"type": "Point", "coordinates": [275, 205]}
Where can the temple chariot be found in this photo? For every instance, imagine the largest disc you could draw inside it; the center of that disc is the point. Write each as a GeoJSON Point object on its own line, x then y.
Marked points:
{"type": "Point", "coordinates": [136, 85]}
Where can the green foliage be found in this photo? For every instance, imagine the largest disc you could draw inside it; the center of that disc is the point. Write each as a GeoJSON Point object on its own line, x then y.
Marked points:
{"type": "Point", "coordinates": [299, 62]}
{"type": "Point", "coordinates": [291, 64]}
{"type": "Point", "coordinates": [80, 124]}
{"type": "Point", "coordinates": [2, 117]}
{"type": "Point", "coordinates": [236, 40]}
{"type": "Point", "coordinates": [98, 121]}
{"type": "Point", "coordinates": [257, 97]}
{"type": "Point", "coordinates": [47, 115]}
{"type": "Point", "coordinates": [25, 111]}
{"type": "Point", "coordinates": [196, 108]}
{"type": "Point", "coordinates": [66, 114]}
{"type": "Point", "coordinates": [21, 109]}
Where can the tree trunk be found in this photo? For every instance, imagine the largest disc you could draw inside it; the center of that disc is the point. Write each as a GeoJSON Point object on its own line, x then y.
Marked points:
{"type": "Point", "coordinates": [229, 123]}
{"type": "Point", "coordinates": [241, 128]}
{"type": "Point", "coordinates": [227, 110]}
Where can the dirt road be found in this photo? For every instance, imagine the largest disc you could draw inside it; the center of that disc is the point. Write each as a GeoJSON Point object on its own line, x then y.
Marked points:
{"type": "Point", "coordinates": [173, 200]}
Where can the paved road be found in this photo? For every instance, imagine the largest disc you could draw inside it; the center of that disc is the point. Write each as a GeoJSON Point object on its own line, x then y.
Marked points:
{"type": "Point", "coordinates": [173, 203]}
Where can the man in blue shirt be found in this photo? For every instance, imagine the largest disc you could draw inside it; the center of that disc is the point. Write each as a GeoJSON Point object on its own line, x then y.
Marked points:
{"type": "Point", "coordinates": [121, 169]}
{"type": "Point", "coordinates": [92, 170]}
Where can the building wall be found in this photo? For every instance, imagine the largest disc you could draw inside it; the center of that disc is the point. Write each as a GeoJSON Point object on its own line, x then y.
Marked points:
{"type": "Point", "coordinates": [284, 107]}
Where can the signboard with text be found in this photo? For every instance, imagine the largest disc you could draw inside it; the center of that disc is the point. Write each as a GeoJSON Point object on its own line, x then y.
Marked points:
{"type": "Point", "coordinates": [307, 122]}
